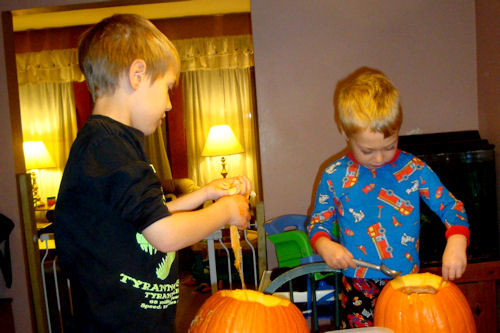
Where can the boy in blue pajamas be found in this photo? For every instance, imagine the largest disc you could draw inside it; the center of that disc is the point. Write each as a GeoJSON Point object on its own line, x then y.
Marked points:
{"type": "Point", "coordinates": [373, 194]}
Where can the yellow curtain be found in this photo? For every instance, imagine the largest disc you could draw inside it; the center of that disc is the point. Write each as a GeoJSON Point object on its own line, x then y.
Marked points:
{"type": "Point", "coordinates": [48, 108]}
{"type": "Point", "coordinates": [57, 66]}
{"type": "Point", "coordinates": [218, 89]}
{"type": "Point", "coordinates": [154, 145]}
{"type": "Point", "coordinates": [215, 53]}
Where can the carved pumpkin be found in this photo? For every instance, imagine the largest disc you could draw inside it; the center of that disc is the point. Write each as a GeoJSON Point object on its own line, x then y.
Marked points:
{"type": "Point", "coordinates": [423, 302]}
{"type": "Point", "coordinates": [247, 311]}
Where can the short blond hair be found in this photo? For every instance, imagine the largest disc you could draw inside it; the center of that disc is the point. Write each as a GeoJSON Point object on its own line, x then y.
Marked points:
{"type": "Point", "coordinates": [367, 99]}
{"type": "Point", "coordinates": [106, 51]}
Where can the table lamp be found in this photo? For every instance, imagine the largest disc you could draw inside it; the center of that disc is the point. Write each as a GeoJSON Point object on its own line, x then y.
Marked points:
{"type": "Point", "coordinates": [36, 157]}
{"type": "Point", "coordinates": [221, 142]}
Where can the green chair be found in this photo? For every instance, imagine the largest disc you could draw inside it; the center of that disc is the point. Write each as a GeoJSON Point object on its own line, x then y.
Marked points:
{"type": "Point", "coordinates": [306, 270]}
{"type": "Point", "coordinates": [288, 235]}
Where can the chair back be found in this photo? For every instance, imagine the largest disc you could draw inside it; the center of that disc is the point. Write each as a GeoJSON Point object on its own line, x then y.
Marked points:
{"type": "Point", "coordinates": [291, 242]}
{"type": "Point", "coordinates": [293, 250]}
{"type": "Point", "coordinates": [286, 223]}
{"type": "Point", "coordinates": [291, 247]}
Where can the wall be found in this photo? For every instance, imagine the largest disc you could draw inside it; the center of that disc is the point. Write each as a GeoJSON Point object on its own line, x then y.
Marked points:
{"type": "Point", "coordinates": [9, 207]}
{"type": "Point", "coordinates": [488, 69]}
{"type": "Point", "coordinates": [12, 163]}
{"type": "Point", "coordinates": [303, 48]}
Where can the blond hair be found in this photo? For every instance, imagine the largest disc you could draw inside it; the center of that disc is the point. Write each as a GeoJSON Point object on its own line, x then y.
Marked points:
{"type": "Point", "coordinates": [106, 51]}
{"type": "Point", "coordinates": [367, 99]}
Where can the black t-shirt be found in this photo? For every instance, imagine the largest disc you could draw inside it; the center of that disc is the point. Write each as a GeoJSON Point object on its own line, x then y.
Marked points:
{"type": "Point", "coordinates": [108, 195]}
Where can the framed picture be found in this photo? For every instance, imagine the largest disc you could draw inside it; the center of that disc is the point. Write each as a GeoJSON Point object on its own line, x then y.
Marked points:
{"type": "Point", "coordinates": [51, 202]}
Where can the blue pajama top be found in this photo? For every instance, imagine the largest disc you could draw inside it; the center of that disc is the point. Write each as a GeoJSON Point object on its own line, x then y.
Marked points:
{"type": "Point", "coordinates": [378, 211]}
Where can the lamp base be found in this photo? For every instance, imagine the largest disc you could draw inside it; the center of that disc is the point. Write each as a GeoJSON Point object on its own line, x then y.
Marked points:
{"type": "Point", "coordinates": [37, 201]}
{"type": "Point", "coordinates": [224, 171]}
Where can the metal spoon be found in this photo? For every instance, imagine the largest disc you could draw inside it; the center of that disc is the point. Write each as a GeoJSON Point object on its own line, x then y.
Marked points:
{"type": "Point", "coordinates": [382, 268]}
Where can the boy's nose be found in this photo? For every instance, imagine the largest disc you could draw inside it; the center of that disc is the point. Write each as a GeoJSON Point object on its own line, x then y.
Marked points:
{"type": "Point", "coordinates": [379, 157]}
{"type": "Point", "coordinates": [168, 106]}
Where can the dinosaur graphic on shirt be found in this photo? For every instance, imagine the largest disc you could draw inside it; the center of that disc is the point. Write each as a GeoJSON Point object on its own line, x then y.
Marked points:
{"type": "Point", "coordinates": [163, 268]}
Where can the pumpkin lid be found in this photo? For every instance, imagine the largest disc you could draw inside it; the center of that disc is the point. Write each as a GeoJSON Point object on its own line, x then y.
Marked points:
{"type": "Point", "coordinates": [420, 283]}
{"type": "Point", "coordinates": [255, 296]}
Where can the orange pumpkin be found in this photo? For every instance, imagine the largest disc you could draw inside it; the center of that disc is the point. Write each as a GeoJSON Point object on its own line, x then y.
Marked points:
{"type": "Point", "coordinates": [247, 311]}
{"type": "Point", "coordinates": [425, 303]}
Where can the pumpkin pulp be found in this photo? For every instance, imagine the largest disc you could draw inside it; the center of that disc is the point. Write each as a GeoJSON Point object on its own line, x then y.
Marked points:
{"type": "Point", "coordinates": [248, 295]}
{"type": "Point", "coordinates": [424, 283]}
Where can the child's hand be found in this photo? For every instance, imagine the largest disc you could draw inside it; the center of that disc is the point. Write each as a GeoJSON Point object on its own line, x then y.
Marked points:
{"type": "Point", "coordinates": [230, 186]}
{"type": "Point", "coordinates": [334, 254]}
{"type": "Point", "coordinates": [454, 257]}
{"type": "Point", "coordinates": [238, 208]}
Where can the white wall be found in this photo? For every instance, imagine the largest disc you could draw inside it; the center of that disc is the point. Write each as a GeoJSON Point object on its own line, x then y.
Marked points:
{"type": "Point", "coordinates": [303, 48]}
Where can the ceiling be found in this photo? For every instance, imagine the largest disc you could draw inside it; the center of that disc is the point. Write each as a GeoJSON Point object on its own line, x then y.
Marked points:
{"type": "Point", "coordinates": [52, 18]}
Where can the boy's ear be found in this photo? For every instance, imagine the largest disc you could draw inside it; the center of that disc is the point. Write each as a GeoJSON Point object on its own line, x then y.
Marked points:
{"type": "Point", "coordinates": [344, 135]}
{"type": "Point", "coordinates": [137, 73]}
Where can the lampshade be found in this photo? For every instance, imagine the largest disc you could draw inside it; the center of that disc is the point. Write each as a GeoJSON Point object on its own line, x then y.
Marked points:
{"type": "Point", "coordinates": [221, 141]}
{"type": "Point", "coordinates": [36, 155]}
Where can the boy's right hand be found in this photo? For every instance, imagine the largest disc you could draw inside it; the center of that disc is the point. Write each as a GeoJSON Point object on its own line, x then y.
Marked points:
{"type": "Point", "coordinates": [238, 208]}
{"type": "Point", "coordinates": [334, 254]}
{"type": "Point", "coordinates": [230, 186]}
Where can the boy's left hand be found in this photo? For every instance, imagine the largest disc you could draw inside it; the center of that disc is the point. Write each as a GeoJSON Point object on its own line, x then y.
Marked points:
{"type": "Point", "coordinates": [229, 186]}
{"type": "Point", "coordinates": [454, 257]}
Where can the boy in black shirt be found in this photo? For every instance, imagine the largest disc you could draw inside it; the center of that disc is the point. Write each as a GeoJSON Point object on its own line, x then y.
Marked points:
{"type": "Point", "coordinates": [115, 236]}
